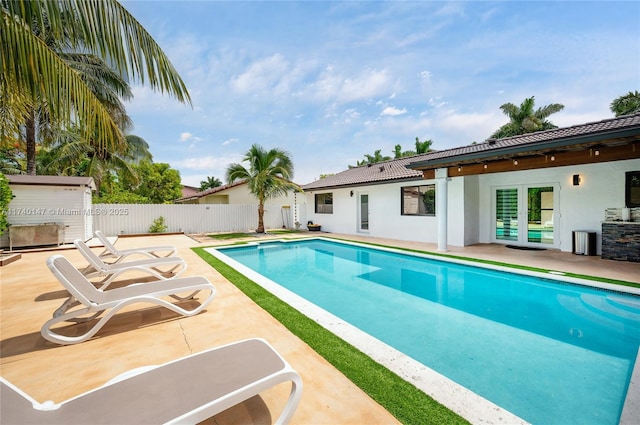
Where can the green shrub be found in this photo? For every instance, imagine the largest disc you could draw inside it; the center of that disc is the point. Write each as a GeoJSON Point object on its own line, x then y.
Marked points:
{"type": "Point", "coordinates": [158, 226]}
{"type": "Point", "coordinates": [6, 195]}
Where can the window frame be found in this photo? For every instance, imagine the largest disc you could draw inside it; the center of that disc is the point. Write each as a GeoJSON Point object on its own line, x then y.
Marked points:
{"type": "Point", "coordinates": [316, 203]}
{"type": "Point", "coordinates": [628, 178]}
{"type": "Point", "coordinates": [421, 192]}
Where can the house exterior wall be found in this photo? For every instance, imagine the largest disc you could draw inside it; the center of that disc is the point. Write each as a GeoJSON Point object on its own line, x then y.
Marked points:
{"type": "Point", "coordinates": [470, 216]}
{"type": "Point", "coordinates": [239, 195]}
{"type": "Point", "coordinates": [385, 218]}
{"type": "Point", "coordinates": [580, 207]}
{"type": "Point", "coordinates": [214, 199]}
{"type": "Point", "coordinates": [69, 205]}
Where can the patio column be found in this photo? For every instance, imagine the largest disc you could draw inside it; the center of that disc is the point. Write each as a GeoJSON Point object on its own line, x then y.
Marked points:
{"type": "Point", "coordinates": [441, 207]}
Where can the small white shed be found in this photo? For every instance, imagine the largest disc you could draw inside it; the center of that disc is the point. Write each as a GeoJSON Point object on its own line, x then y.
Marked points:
{"type": "Point", "coordinates": [59, 206]}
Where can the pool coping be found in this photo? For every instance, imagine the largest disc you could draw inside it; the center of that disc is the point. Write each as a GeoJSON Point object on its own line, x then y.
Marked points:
{"type": "Point", "coordinates": [454, 396]}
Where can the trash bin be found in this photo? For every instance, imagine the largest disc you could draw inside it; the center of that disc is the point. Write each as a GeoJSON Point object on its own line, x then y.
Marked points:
{"type": "Point", "coordinates": [584, 242]}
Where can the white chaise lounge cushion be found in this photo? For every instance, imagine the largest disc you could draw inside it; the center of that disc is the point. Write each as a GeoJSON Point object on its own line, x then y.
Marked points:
{"type": "Point", "coordinates": [187, 391]}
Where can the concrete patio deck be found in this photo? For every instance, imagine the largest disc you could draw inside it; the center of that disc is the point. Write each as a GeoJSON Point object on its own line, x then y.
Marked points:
{"type": "Point", "coordinates": [143, 335]}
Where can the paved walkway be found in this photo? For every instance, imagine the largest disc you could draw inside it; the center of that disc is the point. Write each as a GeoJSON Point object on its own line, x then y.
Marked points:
{"type": "Point", "coordinates": [144, 335]}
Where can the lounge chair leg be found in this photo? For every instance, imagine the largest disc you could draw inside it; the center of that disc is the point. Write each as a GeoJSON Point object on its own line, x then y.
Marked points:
{"type": "Point", "coordinates": [69, 303]}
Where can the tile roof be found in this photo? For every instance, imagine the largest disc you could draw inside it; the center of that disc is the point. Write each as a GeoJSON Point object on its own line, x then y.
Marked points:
{"type": "Point", "coordinates": [210, 191]}
{"type": "Point", "coordinates": [396, 169]}
{"type": "Point", "coordinates": [379, 172]}
{"type": "Point", "coordinates": [189, 191]}
{"type": "Point", "coordinates": [533, 141]}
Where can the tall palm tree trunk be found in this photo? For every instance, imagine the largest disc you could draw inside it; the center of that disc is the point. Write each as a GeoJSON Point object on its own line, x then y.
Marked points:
{"type": "Point", "coordinates": [30, 125]}
{"type": "Point", "coordinates": [260, 228]}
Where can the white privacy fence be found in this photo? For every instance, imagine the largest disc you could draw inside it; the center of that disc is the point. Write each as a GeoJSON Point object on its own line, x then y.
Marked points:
{"type": "Point", "coordinates": [117, 219]}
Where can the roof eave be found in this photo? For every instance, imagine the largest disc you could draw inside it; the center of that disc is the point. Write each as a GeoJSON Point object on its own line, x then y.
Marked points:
{"type": "Point", "coordinates": [524, 148]}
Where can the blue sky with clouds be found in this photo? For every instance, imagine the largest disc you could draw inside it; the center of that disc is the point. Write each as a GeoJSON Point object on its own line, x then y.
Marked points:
{"type": "Point", "coordinates": [332, 81]}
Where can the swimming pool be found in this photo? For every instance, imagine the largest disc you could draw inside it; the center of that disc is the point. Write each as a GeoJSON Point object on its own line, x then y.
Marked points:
{"type": "Point", "coordinates": [546, 351]}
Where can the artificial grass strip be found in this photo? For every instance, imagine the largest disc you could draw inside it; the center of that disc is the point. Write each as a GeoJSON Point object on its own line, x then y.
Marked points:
{"type": "Point", "coordinates": [403, 400]}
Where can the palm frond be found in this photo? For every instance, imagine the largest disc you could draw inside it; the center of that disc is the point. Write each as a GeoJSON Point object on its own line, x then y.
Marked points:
{"type": "Point", "coordinates": [110, 30]}
{"type": "Point", "coordinates": [29, 66]}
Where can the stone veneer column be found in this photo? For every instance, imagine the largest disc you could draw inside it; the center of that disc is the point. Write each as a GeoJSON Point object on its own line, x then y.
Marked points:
{"type": "Point", "coordinates": [621, 241]}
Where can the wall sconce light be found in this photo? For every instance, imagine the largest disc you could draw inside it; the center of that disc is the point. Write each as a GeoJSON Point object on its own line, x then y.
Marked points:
{"type": "Point", "coordinates": [576, 179]}
{"type": "Point", "coordinates": [485, 166]}
{"type": "Point", "coordinates": [597, 152]}
{"type": "Point", "coordinates": [351, 193]}
{"type": "Point", "coordinates": [515, 162]}
{"type": "Point", "coordinates": [553, 158]}
{"type": "Point", "coordinates": [459, 168]}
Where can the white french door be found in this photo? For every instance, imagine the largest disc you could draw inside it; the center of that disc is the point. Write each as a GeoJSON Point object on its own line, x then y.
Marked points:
{"type": "Point", "coordinates": [526, 215]}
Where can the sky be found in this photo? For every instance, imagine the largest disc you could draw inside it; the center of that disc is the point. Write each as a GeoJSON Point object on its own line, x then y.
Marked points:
{"type": "Point", "coordinates": [329, 82]}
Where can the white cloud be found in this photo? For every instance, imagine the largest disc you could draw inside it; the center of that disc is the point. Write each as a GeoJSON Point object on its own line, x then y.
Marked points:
{"type": "Point", "coordinates": [370, 83]}
{"type": "Point", "coordinates": [451, 9]}
{"type": "Point", "coordinates": [261, 75]}
{"type": "Point", "coordinates": [393, 111]}
{"type": "Point", "coordinates": [350, 115]}
{"type": "Point", "coordinates": [436, 102]}
{"type": "Point", "coordinates": [213, 163]}
{"type": "Point", "coordinates": [230, 141]}
{"type": "Point", "coordinates": [188, 137]}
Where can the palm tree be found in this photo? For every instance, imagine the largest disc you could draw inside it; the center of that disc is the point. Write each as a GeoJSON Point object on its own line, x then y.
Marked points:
{"type": "Point", "coordinates": [268, 176]}
{"type": "Point", "coordinates": [33, 73]}
{"type": "Point", "coordinates": [70, 155]}
{"type": "Point", "coordinates": [524, 119]}
{"type": "Point", "coordinates": [423, 147]}
{"type": "Point", "coordinates": [210, 183]}
{"type": "Point", "coordinates": [108, 87]}
{"type": "Point", "coordinates": [627, 104]}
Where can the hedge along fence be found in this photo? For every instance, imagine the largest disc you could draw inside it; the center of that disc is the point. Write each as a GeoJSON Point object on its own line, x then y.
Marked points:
{"type": "Point", "coordinates": [117, 219]}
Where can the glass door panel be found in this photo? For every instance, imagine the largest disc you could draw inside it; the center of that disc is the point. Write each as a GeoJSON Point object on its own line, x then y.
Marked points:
{"type": "Point", "coordinates": [364, 212]}
{"type": "Point", "coordinates": [525, 214]}
{"type": "Point", "coordinates": [540, 211]}
{"type": "Point", "coordinates": [506, 214]}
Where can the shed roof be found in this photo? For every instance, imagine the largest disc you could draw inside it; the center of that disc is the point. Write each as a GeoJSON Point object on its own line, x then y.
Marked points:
{"type": "Point", "coordinates": [24, 179]}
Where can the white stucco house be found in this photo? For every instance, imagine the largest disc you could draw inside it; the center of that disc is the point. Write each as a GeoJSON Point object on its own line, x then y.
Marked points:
{"type": "Point", "coordinates": [284, 210]}
{"type": "Point", "coordinates": [531, 191]}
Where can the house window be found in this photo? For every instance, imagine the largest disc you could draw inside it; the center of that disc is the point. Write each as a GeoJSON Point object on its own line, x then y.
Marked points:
{"type": "Point", "coordinates": [419, 200]}
{"type": "Point", "coordinates": [324, 203]}
{"type": "Point", "coordinates": [632, 189]}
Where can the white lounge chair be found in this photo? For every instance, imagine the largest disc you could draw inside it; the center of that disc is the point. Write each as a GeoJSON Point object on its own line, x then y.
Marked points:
{"type": "Point", "coordinates": [111, 252]}
{"type": "Point", "coordinates": [86, 302]}
{"type": "Point", "coordinates": [186, 391]}
{"type": "Point", "coordinates": [162, 268]}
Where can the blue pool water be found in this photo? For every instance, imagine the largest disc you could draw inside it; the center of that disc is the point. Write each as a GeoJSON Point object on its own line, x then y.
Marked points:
{"type": "Point", "coordinates": [551, 353]}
